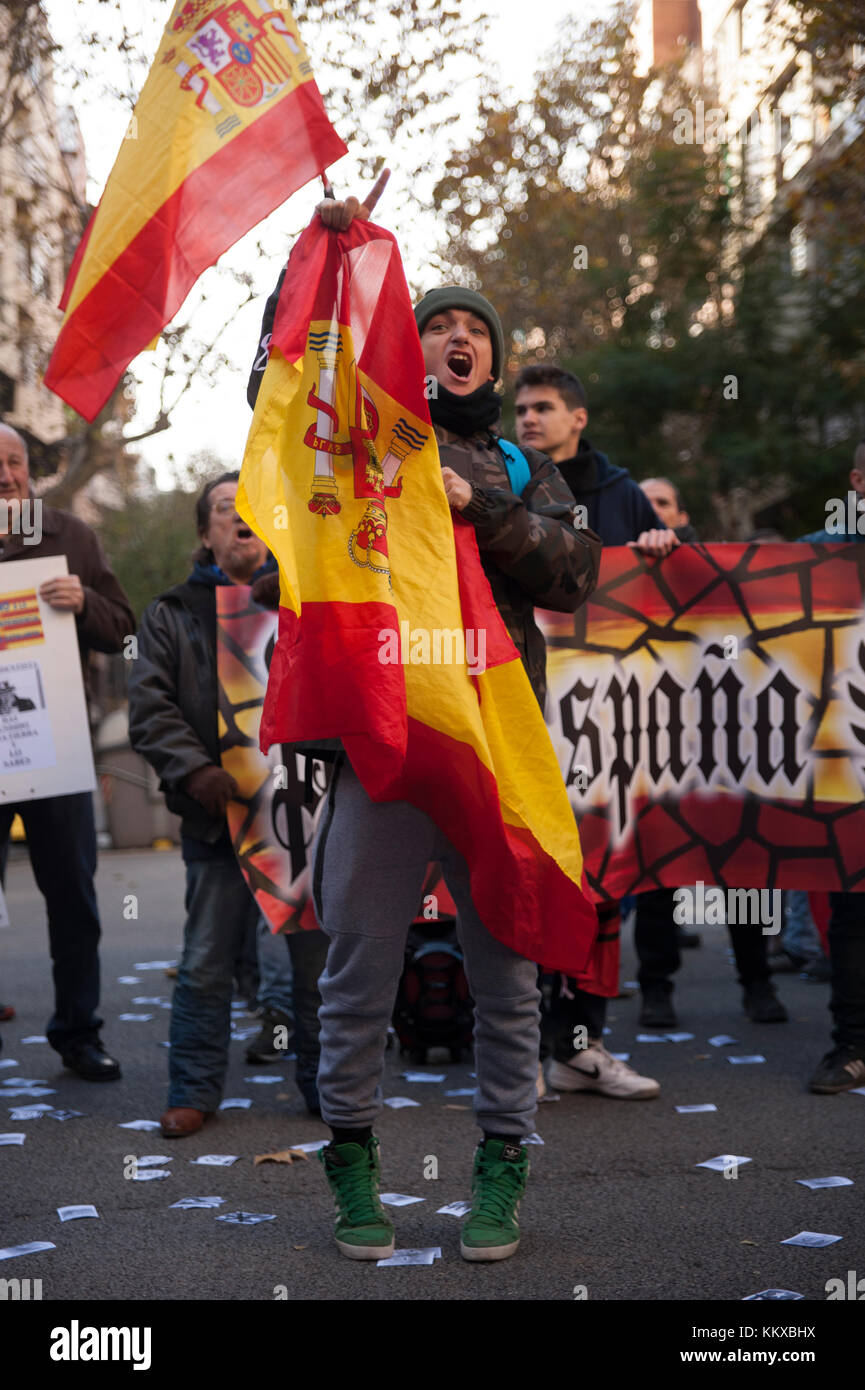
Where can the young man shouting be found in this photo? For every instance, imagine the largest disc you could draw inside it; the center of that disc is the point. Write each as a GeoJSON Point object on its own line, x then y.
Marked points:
{"type": "Point", "coordinates": [371, 857]}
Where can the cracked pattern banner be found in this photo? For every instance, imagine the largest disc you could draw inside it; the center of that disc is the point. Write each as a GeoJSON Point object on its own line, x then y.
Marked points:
{"type": "Point", "coordinates": [708, 713]}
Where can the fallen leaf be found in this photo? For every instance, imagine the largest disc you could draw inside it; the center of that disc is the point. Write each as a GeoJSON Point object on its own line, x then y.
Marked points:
{"type": "Point", "coordinates": [283, 1095]}
{"type": "Point", "coordinates": [282, 1156]}
{"type": "Point", "coordinates": [456, 1107]}
{"type": "Point", "coordinates": [749, 1242]}
{"type": "Point", "coordinates": [703, 1057]}
{"type": "Point", "coordinates": [298, 1247]}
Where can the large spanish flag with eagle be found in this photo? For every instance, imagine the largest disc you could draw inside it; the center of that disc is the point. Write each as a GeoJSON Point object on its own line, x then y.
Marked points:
{"type": "Point", "coordinates": [228, 125]}
{"type": "Point", "coordinates": [341, 479]}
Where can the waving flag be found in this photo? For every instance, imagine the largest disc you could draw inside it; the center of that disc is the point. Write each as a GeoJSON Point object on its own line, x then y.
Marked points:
{"type": "Point", "coordinates": [228, 125]}
{"type": "Point", "coordinates": [381, 587]}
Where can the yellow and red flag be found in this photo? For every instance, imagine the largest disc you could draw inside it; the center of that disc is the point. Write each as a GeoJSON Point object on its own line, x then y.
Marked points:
{"type": "Point", "coordinates": [228, 125]}
{"type": "Point", "coordinates": [342, 480]}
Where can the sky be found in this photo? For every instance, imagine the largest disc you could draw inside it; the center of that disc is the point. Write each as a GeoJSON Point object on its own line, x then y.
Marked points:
{"type": "Point", "coordinates": [215, 417]}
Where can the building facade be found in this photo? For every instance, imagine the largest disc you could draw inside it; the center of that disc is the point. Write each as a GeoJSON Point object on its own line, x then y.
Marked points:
{"type": "Point", "coordinates": [43, 210]}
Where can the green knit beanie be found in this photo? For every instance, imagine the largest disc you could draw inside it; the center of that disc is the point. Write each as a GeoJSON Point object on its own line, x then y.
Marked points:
{"type": "Point", "coordinates": [455, 297]}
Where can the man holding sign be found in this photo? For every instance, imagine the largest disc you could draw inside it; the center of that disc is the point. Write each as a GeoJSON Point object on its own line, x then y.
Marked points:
{"type": "Point", "coordinates": [61, 836]}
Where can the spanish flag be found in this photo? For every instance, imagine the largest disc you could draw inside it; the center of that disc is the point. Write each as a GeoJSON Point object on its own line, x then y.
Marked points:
{"type": "Point", "coordinates": [229, 124]}
{"type": "Point", "coordinates": [342, 480]}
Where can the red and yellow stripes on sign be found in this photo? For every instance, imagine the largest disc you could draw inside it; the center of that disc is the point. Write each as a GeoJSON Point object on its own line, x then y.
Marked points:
{"type": "Point", "coordinates": [229, 123]}
{"type": "Point", "coordinates": [20, 621]}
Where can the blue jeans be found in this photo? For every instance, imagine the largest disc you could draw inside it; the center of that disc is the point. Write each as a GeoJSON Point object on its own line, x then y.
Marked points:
{"type": "Point", "coordinates": [61, 843]}
{"type": "Point", "coordinates": [800, 936]}
{"type": "Point", "coordinates": [220, 909]}
{"type": "Point", "coordinates": [274, 970]}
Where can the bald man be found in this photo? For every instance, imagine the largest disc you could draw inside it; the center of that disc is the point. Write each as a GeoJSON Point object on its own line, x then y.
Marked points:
{"type": "Point", "coordinates": [61, 836]}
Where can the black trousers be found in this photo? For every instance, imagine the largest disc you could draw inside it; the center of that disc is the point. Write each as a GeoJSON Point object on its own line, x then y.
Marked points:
{"type": "Point", "coordinates": [658, 950]}
{"type": "Point", "coordinates": [847, 958]}
{"type": "Point", "coordinates": [61, 842]}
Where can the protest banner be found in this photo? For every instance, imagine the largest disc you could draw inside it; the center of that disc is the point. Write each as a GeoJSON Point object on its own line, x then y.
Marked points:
{"type": "Point", "coordinates": [708, 712]}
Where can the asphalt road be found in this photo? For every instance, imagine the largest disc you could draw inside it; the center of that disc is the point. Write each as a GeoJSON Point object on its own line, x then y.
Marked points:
{"type": "Point", "coordinates": [615, 1203]}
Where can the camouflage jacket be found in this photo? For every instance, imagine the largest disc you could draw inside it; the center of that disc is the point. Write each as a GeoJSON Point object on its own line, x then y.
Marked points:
{"type": "Point", "coordinates": [531, 553]}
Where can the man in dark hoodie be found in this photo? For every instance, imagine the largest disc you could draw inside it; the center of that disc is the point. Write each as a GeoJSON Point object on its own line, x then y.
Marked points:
{"type": "Point", "coordinates": [666, 499]}
{"type": "Point", "coordinates": [551, 415]}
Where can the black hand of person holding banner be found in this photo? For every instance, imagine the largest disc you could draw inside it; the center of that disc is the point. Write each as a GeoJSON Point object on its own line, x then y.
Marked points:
{"type": "Point", "coordinates": [340, 215]}
{"type": "Point", "coordinates": [212, 786]}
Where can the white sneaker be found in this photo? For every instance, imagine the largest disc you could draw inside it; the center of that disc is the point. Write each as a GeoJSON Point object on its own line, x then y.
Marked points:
{"type": "Point", "coordinates": [593, 1069]}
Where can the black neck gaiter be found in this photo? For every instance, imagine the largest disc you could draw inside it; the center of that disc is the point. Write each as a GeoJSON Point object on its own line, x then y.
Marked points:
{"type": "Point", "coordinates": [465, 415]}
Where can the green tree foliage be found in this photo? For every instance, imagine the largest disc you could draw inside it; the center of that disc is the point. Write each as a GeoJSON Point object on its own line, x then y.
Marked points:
{"type": "Point", "coordinates": [622, 252]}
{"type": "Point", "coordinates": [151, 541]}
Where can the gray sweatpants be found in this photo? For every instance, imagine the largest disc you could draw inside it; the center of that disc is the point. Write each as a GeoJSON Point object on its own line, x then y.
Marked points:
{"type": "Point", "coordinates": [369, 863]}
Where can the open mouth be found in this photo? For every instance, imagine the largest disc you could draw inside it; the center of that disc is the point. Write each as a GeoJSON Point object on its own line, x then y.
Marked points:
{"type": "Point", "coordinates": [460, 364]}
{"type": "Point", "coordinates": [243, 533]}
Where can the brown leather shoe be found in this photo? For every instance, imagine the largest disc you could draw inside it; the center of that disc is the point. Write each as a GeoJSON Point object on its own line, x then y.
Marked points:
{"type": "Point", "coordinates": [180, 1120]}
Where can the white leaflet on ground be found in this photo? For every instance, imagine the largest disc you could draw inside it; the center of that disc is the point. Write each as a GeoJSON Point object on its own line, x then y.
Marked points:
{"type": "Point", "coordinates": [745, 1061]}
{"type": "Point", "coordinates": [411, 1257]}
{"type": "Point", "coordinates": [652, 1037]}
{"type": "Point", "coordinates": [680, 1037]}
{"type": "Point", "coordinates": [188, 1203]}
{"type": "Point", "coordinates": [29, 1112]}
{"type": "Point", "coordinates": [245, 1218]}
{"type": "Point", "coordinates": [400, 1102]}
{"type": "Point", "coordinates": [75, 1213]}
{"type": "Point", "coordinates": [694, 1109]}
{"type": "Point", "coordinates": [620, 1056]}
{"type": "Point", "coordinates": [7, 1062]}
{"type": "Point", "coordinates": [23, 1081]}
{"type": "Point", "coordinates": [30, 1091]}
{"type": "Point", "coordinates": [128, 980]}
{"type": "Point", "coordinates": [151, 1175]}
{"type": "Point", "coordinates": [312, 1147]}
{"type": "Point", "coordinates": [462, 1091]}
{"type": "Point", "coordinates": [140, 1124]}
{"type": "Point", "coordinates": [814, 1239]}
{"type": "Point", "coordinates": [151, 999]}
{"type": "Point", "coordinates": [825, 1182]}
{"type": "Point", "coordinates": [857, 1091]}
{"type": "Point", "coordinates": [11, 1252]}
{"type": "Point", "coordinates": [551, 1096]}
{"type": "Point", "coordinates": [135, 1018]}
{"type": "Point", "coordinates": [10, 1140]}
{"type": "Point", "coordinates": [399, 1199]}
{"type": "Point", "coordinates": [264, 1080]}
{"type": "Point", "coordinates": [532, 1139]}
{"type": "Point", "coordinates": [155, 964]}
{"type": "Point", "coordinates": [35, 1038]}
{"type": "Point", "coordinates": [236, 1103]}
{"type": "Point", "coordinates": [216, 1160]}
{"type": "Point", "coordinates": [424, 1076]}
{"type": "Point", "coordinates": [455, 1209]}
{"type": "Point", "coordinates": [163, 1044]}
{"type": "Point", "coordinates": [723, 1161]}
{"type": "Point", "coordinates": [153, 1160]}
{"type": "Point", "coordinates": [722, 1040]}
{"type": "Point", "coordinates": [767, 1294]}
{"type": "Point", "coordinates": [64, 1114]}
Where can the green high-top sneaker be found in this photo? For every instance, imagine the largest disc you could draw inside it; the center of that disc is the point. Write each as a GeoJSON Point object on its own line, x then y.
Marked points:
{"type": "Point", "coordinates": [498, 1183]}
{"type": "Point", "coordinates": [363, 1231]}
